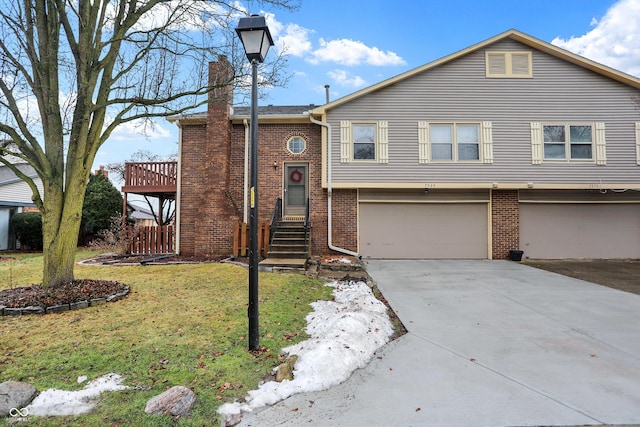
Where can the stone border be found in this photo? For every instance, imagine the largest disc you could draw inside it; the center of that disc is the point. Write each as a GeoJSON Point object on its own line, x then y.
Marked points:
{"type": "Point", "coordinates": [61, 308]}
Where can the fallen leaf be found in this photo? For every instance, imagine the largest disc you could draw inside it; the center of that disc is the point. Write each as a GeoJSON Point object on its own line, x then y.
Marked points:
{"type": "Point", "coordinates": [418, 409]}
{"type": "Point", "coordinates": [472, 359]}
{"type": "Point", "coordinates": [294, 410]}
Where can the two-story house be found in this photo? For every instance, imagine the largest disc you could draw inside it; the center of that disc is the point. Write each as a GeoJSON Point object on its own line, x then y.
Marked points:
{"type": "Point", "coordinates": [15, 197]}
{"type": "Point", "coordinates": [511, 143]}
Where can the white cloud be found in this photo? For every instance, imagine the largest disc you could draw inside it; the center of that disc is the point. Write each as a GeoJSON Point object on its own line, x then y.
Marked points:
{"type": "Point", "coordinates": [139, 129]}
{"type": "Point", "coordinates": [343, 78]}
{"type": "Point", "coordinates": [295, 41]}
{"type": "Point", "coordinates": [613, 41]}
{"type": "Point", "coordinates": [292, 39]}
{"type": "Point", "coordinates": [352, 52]}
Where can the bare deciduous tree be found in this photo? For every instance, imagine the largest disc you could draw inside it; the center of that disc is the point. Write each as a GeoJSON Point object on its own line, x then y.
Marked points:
{"type": "Point", "coordinates": [73, 71]}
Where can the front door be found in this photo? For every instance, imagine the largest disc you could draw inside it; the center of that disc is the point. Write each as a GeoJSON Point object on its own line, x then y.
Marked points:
{"type": "Point", "coordinates": [295, 189]}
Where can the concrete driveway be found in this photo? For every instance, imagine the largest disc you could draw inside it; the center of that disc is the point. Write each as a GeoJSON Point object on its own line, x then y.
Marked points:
{"type": "Point", "coordinates": [490, 343]}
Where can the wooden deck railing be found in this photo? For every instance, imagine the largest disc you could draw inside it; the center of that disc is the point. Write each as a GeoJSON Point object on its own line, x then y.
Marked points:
{"type": "Point", "coordinates": [150, 177]}
{"type": "Point", "coordinates": [150, 240]}
{"type": "Point", "coordinates": [241, 239]}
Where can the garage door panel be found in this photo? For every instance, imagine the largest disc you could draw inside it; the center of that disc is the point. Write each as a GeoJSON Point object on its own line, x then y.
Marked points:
{"type": "Point", "coordinates": [443, 230]}
{"type": "Point", "coordinates": [556, 231]}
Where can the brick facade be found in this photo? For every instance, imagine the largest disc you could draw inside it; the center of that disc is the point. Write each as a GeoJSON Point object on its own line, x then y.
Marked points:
{"type": "Point", "coordinates": [272, 149]}
{"type": "Point", "coordinates": [505, 222]}
{"type": "Point", "coordinates": [212, 177]}
{"type": "Point", "coordinates": [206, 213]}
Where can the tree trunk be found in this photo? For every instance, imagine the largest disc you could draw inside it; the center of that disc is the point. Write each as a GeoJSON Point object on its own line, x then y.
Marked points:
{"type": "Point", "coordinates": [60, 227]}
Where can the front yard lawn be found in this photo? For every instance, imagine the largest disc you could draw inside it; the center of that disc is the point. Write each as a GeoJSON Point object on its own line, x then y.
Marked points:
{"type": "Point", "coordinates": [180, 325]}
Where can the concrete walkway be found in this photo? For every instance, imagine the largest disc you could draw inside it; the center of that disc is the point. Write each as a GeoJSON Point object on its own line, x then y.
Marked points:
{"type": "Point", "coordinates": [490, 343]}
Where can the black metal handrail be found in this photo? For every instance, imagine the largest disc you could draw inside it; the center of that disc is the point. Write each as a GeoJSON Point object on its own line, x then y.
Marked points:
{"type": "Point", "coordinates": [307, 224]}
{"type": "Point", "coordinates": [276, 216]}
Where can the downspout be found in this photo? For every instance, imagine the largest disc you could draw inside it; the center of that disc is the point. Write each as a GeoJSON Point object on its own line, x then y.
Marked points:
{"type": "Point", "coordinates": [179, 190]}
{"type": "Point", "coordinates": [330, 191]}
{"type": "Point", "coordinates": [246, 171]}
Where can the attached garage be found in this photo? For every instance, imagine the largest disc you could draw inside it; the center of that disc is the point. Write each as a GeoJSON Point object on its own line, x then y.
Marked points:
{"type": "Point", "coordinates": [592, 225]}
{"type": "Point", "coordinates": [415, 225]}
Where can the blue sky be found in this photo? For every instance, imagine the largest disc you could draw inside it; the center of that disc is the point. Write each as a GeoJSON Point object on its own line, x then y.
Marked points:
{"type": "Point", "coordinates": [352, 44]}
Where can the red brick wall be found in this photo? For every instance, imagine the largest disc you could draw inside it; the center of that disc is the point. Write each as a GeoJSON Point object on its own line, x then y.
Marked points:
{"type": "Point", "coordinates": [272, 147]}
{"type": "Point", "coordinates": [192, 174]}
{"type": "Point", "coordinates": [206, 213]}
{"type": "Point", "coordinates": [344, 205]}
{"type": "Point", "coordinates": [505, 222]}
{"type": "Point", "coordinates": [212, 179]}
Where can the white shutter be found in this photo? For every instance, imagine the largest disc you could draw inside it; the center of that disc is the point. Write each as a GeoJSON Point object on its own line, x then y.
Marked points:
{"type": "Point", "coordinates": [487, 142]}
{"type": "Point", "coordinates": [383, 142]}
{"type": "Point", "coordinates": [345, 141]}
{"type": "Point", "coordinates": [601, 145]}
{"type": "Point", "coordinates": [638, 142]}
{"type": "Point", "coordinates": [423, 142]}
{"type": "Point", "coordinates": [536, 143]}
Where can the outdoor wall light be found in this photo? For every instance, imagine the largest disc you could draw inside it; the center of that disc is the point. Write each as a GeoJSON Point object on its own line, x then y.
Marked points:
{"type": "Point", "coordinates": [275, 165]}
{"type": "Point", "coordinates": [256, 39]}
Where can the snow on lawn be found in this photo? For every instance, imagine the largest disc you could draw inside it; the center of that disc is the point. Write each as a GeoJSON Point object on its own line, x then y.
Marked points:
{"type": "Point", "coordinates": [59, 402]}
{"type": "Point", "coordinates": [344, 335]}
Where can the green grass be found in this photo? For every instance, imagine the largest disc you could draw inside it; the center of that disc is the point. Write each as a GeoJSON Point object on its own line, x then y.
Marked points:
{"type": "Point", "coordinates": [180, 325]}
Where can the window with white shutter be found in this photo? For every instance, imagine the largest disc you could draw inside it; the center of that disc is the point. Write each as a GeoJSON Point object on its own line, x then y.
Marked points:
{"type": "Point", "coordinates": [568, 142]}
{"type": "Point", "coordinates": [455, 142]}
{"type": "Point", "coordinates": [364, 141]}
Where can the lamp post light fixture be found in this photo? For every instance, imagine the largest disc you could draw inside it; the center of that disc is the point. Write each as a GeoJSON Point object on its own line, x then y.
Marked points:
{"type": "Point", "coordinates": [256, 39]}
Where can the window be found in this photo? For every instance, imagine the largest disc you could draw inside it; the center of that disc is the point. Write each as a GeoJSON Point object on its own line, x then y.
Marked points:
{"type": "Point", "coordinates": [364, 141]}
{"type": "Point", "coordinates": [296, 144]}
{"type": "Point", "coordinates": [567, 142]}
{"type": "Point", "coordinates": [508, 64]}
{"type": "Point", "coordinates": [455, 141]}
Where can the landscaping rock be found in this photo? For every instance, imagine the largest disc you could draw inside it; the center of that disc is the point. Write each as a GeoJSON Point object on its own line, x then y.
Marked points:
{"type": "Point", "coordinates": [58, 308]}
{"type": "Point", "coordinates": [33, 310]}
{"type": "Point", "coordinates": [78, 305]}
{"type": "Point", "coordinates": [16, 395]}
{"type": "Point", "coordinates": [177, 401]}
{"type": "Point", "coordinates": [285, 371]}
{"type": "Point", "coordinates": [12, 311]}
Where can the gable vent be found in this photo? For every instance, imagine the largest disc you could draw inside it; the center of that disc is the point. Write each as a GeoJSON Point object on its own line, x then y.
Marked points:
{"type": "Point", "coordinates": [508, 64]}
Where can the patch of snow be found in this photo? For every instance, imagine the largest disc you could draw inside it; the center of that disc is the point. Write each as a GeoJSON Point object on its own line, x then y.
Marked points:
{"type": "Point", "coordinates": [345, 333]}
{"type": "Point", "coordinates": [59, 402]}
{"type": "Point", "coordinates": [82, 378]}
{"type": "Point", "coordinates": [339, 261]}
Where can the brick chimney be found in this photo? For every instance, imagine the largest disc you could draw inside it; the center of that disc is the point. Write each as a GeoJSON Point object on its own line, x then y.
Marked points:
{"type": "Point", "coordinates": [207, 214]}
{"type": "Point", "coordinates": [102, 171]}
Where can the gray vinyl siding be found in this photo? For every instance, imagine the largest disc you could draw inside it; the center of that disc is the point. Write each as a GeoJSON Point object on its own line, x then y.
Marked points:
{"type": "Point", "coordinates": [458, 91]}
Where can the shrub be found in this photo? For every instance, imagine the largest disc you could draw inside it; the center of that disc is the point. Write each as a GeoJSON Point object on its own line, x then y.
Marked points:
{"type": "Point", "coordinates": [28, 229]}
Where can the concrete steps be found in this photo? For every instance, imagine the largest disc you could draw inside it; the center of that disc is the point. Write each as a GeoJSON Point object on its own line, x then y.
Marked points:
{"type": "Point", "coordinates": [288, 249]}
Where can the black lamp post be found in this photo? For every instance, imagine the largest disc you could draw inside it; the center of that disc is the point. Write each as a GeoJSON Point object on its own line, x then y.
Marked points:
{"type": "Point", "coordinates": [256, 39]}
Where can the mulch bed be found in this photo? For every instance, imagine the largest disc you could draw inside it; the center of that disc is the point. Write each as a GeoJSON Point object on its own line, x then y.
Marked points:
{"type": "Point", "coordinates": [78, 290]}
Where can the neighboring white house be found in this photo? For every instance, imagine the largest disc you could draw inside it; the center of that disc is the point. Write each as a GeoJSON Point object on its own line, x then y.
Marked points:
{"type": "Point", "coordinates": [141, 216]}
{"type": "Point", "coordinates": [15, 196]}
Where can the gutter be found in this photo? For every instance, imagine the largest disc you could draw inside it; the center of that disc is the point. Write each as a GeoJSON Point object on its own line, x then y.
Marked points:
{"type": "Point", "coordinates": [330, 191]}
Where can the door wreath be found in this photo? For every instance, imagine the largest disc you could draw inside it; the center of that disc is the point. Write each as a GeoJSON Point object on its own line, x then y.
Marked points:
{"type": "Point", "coordinates": [296, 176]}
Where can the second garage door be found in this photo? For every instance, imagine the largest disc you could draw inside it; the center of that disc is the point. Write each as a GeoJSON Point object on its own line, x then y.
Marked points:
{"type": "Point", "coordinates": [418, 230]}
{"type": "Point", "coordinates": [580, 230]}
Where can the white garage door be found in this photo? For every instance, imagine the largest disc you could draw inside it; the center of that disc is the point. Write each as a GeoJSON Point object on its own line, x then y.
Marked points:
{"type": "Point", "coordinates": [414, 230]}
{"type": "Point", "coordinates": [580, 230]}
